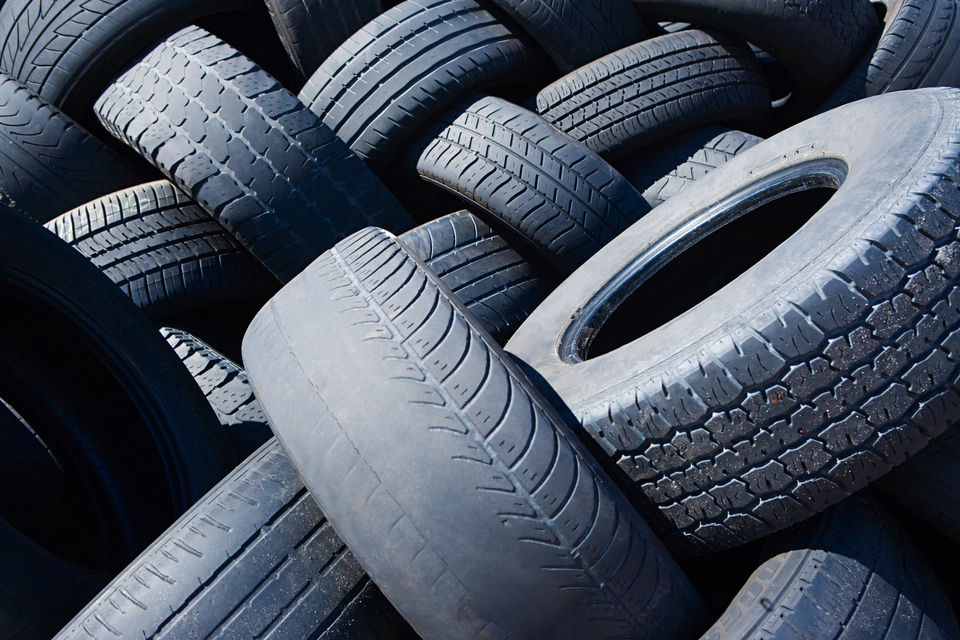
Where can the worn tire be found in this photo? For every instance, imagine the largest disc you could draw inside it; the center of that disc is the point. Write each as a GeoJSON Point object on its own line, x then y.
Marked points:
{"type": "Point", "coordinates": [559, 196]}
{"type": "Point", "coordinates": [246, 150]}
{"type": "Point", "coordinates": [48, 163]}
{"type": "Point", "coordinates": [67, 51]}
{"type": "Point", "coordinates": [817, 41]}
{"type": "Point", "coordinates": [165, 252]}
{"type": "Point", "coordinates": [919, 47]}
{"type": "Point", "coordinates": [255, 557]}
{"type": "Point", "coordinates": [310, 30]}
{"type": "Point", "coordinates": [663, 170]}
{"type": "Point", "coordinates": [416, 508]}
{"type": "Point", "coordinates": [850, 573]}
{"type": "Point", "coordinates": [575, 32]}
{"type": "Point", "coordinates": [394, 75]}
{"type": "Point", "coordinates": [657, 88]}
{"type": "Point", "coordinates": [810, 374]}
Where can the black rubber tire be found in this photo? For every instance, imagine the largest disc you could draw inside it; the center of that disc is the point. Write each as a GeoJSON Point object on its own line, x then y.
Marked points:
{"type": "Point", "coordinates": [810, 374]}
{"type": "Point", "coordinates": [817, 41]}
{"type": "Point", "coordinates": [575, 32]}
{"type": "Point", "coordinates": [246, 150]}
{"type": "Point", "coordinates": [560, 197]}
{"type": "Point", "coordinates": [657, 88]}
{"type": "Point", "coordinates": [919, 47]}
{"type": "Point", "coordinates": [48, 163]}
{"type": "Point", "coordinates": [254, 558]}
{"type": "Point", "coordinates": [310, 30]}
{"type": "Point", "coordinates": [398, 72]}
{"type": "Point", "coordinates": [497, 284]}
{"type": "Point", "coordinates": [851, 573]}
{"type": "Point", "coordinates": [421, 510]}
{"type": "Point", "coordinates": [165, 252]}
{"type": "Point", "coordinates": [928, 483]}
{"type": "Point", "coordinates": [67, 51]}
{"type": "Point", "coordinates": [663, 170]}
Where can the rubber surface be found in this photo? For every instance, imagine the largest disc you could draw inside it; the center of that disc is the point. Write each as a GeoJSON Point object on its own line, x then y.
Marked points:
{"type": "Point", "coordinates": [477, 461]}
{"type": "Point", "coordinates": [656, 88]}
{"type": "Point", "coordinates": [254, 558]}
{"type": "Point", "coordinates": [311, 29]}
{"type": "Point", "coordinates": [851, 573]}
{"type": "Point", "coordinates": [246, 150]}
{"type": "Point", "coordinates": [810, 374]}
{"type": "Point", "coordinates": [661, 171]}
{"type": "Point", "coordinates": [48, 163]}
{"type": "Point", "coordinates": [165, 252]}
{"type": "Point", "coordinates": [558, 195]}
{"type": "Point", "coordinates": [575, 32]}
{"type": "Point", "coordinates": [398, 72]}
{"type": "Point", "coordinates": [68, 51]}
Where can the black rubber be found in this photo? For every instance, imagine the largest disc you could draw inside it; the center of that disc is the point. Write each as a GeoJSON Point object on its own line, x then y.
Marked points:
{"type": "Point", "coordinates": [657, 88]}
{"type": "Point", "coordinates": [310, 30]}
{"type": "Point", "coordinates": [499, 285]}
{"type": "Point", "coordinates": [817, 41]}
{"type": "Point", "coordinates": [469, 495]}
{"type": "Point", "coordinates": [68, 51]}
{"type": "Point", "coordinates": [919, 47]}
{"type": "Point", "coordinates": [662, 170]}
{"type": "Point", "coordinates": [817, 368]}
{"type": "Point", "coordinates": [132, 439]}
{"type": "Point", "coordinates": [399, 71]}
{"type": "Point", "coordinates": [48, 163]}
{"type": "Point", "coordinates": [575, 32]}
{"type": "Point", "coordinates": [246, 150]}
{"type": "Point", "coordinates": [165, 252]}
{"type": "Point", "coordinates": [851, 573]}
{"type": "Point", "coordinates": [928, 483]}
{"type": "Point", "coordinates": [558, 195]}
{"type": "Point", "coordinates": [254, 558]}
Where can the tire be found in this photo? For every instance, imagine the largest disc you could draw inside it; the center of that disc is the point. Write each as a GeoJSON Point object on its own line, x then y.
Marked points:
{"type": "Point", "coordinates": [927, 484]}
{"type": "Point", "coordinates": [311, 29]}
{"type": "Point", "coordinates": [854, 557]}
{"type": "Point", "coordinates": [223, 130]}
{"type": "Point", "coordinates": [227, 390]}
{"type": "Point", "coordinates": [918, 48]}
{"type": "Point", "coordinates": [48, 163]}
{"type": "Point", "coordinates": [496, 283]}
{"type": "Point", "coordinates": [131, 438]}
{"type": "Point", "coordinates": [165, 252]}
{"type": "Point", "coordinates": [806, 377]}
{"type": "Point", "coordinates": [663, 170]}
{"type": "Point", "coordinates": [415, 508]}
{"type": "Point", "coordinates": [398, 72]}
{"type": "Point", "coordinates": [657, 88]}
{"type": "Point", "coordinates": [561, 198]}
{"type": "Point", "coordinates": [817, 41]}
{"type": "Point", "coordinates": [254, 556]}
{"type": "Point", "coordinates": [68, 52]}
{"type": "Point", "coordinates": [597, 27]}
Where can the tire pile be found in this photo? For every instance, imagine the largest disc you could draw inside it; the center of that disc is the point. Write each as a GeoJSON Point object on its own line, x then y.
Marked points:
{"type": "Point", "coordinates": [558, 319]}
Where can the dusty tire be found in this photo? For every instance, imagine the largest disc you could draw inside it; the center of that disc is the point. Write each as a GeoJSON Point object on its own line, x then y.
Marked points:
{"type": "Point", "coordinates": [809, 375]}
{"type": "Point", "coordinates": [311, 29]}
{"type": "Point", "coordinates": [560, 197]}
{"type": "Point", "coordinates": [574, 32]}
{"type": "Point", "coordinates": [48, 163]}
{"type": "Point", "coordinates": [67, 52]}
{"type": "Point", "coordinates": [223, 130]}
{"type": "Point", "coordinates": [253, 555]}
{"type": "Point", "coordinates": [165, 252]}
{"type": "Point", "coordinates": [401, 502]}
{"type": "Point", "coordinates": [656, 88]}
{"type": "Point", "coordinates": [399, 71]}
